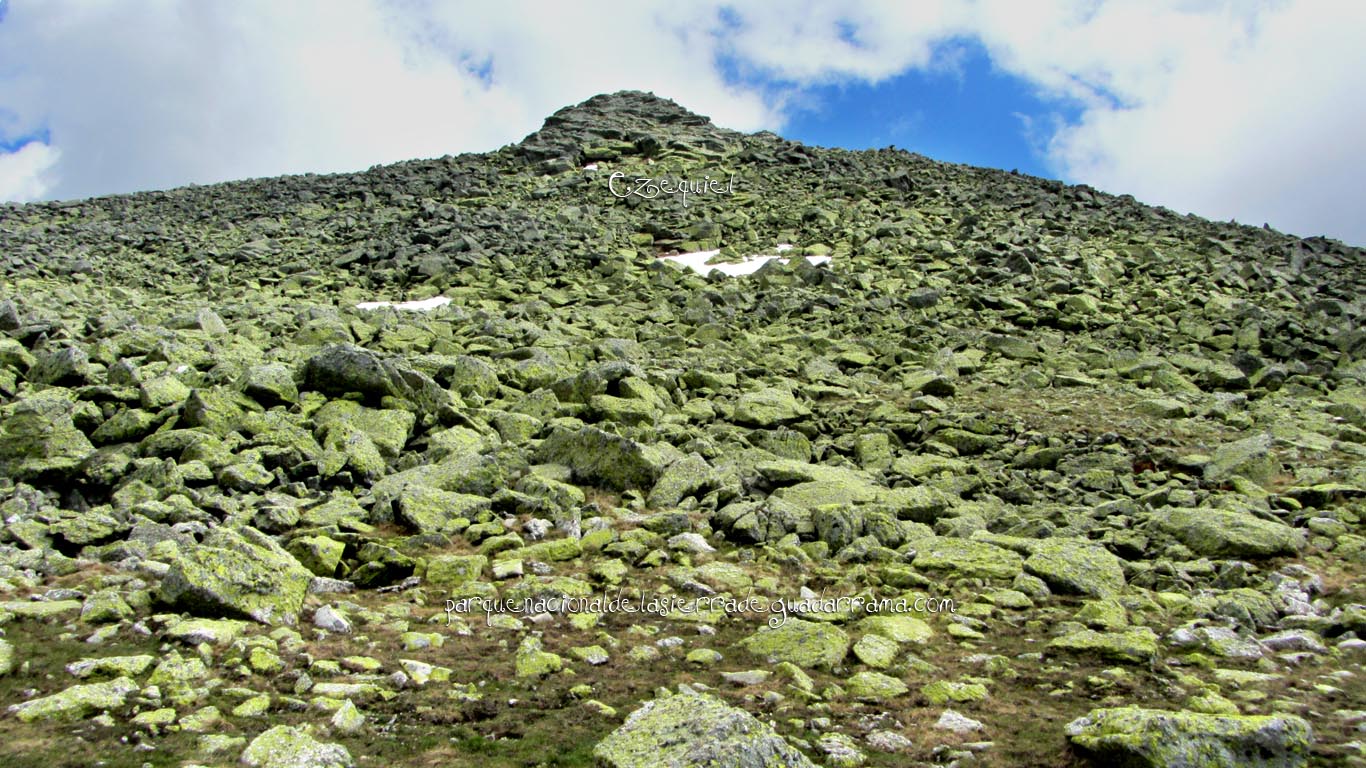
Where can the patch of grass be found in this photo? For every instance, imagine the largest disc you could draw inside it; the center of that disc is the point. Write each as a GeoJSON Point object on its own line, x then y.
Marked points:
{"type": "Point", "coordinates": [1090, 412]}
{"type": "Point", "coordinates": [605, 499]}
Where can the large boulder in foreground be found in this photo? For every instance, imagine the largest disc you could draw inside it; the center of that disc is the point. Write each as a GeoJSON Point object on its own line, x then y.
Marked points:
{"type": "Point", "coordinates": [238, 573]}
{"type": "Point", "coordinates": [1143, 738]}
{"type": "Point", "coordinates": [692, 729]}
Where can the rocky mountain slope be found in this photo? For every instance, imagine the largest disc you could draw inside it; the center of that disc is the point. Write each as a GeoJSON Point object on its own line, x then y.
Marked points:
{"type": "Point", "coordinates": [1093, 471]}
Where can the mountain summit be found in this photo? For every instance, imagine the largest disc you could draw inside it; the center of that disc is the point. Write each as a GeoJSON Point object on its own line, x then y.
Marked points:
{"type": "Point", "coordinates": [645, 442]}
{"type": "Point", "coordinates": [622, 111]}
{"type": "Point", "coordinates": [609, 125]}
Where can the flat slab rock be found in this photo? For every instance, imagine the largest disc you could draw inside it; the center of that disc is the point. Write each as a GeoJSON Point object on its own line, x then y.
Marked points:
{"type": "Point", "coordinates": [691, 729]}
{"type": "Point", "coordinates": [1131, 736]}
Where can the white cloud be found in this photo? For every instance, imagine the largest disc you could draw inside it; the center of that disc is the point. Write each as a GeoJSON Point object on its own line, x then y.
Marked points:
{"type": "Point", "coordinates": [205, 92]}
{"type": "Point", "coordinates": [1222, 107]}
{"type": "Point", "coordinates": [817, 42]}
{"type": "Point", "coordinates": [1254, 115]}
{"type": "Point", "coordinates": [1246, 110]}
{"type": "Point", "coordinates": [26, 174]}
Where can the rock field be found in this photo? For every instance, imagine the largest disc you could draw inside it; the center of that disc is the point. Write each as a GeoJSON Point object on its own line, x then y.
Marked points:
{"type": "Point", "coordinates": [1019, 474]}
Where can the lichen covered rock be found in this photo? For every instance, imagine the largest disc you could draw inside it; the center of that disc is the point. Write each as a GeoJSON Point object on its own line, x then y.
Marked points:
{"type": "Point", "coordinates": [804, 643]}
{"type": "Point", "coordinates": [768, 407]}
{"type": "Point", "coordinates": [1250, 458]}
{"type": "Point", "coordinates": [345, 368]}
{"type": "Point", "coordinates": [287, 747]}
{"type": "Point", "coordinates": [966, 557]}
{"type": "Point", "coordinates": [76, 702]}
{"type": "Point", "coordinates": [38, 438]}
{"type": "Point", "coordinates": [1137, 645]}
{"type": "Point", "coordinates": [694, 729]}
{"type": "Point", "coordinates": [596, 456]}
{"type": "Point", "coordinates": [237, 573]}
{"type": "Point", "coordinates": [1230, 533]}
{"type": "Point", "coordinates": [875, 686]}
{"type": "Point", "coordinates": [1157, 739]}
{"type": "Point", "coordinates": [1076, 567]}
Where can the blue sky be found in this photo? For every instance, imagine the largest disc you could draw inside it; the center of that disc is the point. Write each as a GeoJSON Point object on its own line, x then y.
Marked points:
{"type": "Point", "coordinates": [967, 111]}
{"type": "Point", "coordinates": [1232, 109]}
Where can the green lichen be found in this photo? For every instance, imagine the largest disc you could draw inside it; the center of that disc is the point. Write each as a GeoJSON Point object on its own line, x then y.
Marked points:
{"type": "Point", "coordinates": [875, 687]}
{"type": "Point", "coordinates": [693, 729]}
{"type": "Point", "coordinates": [288, 747]}
{"type": "Point", "coordinates": [1138, 645]}
{"type": "Point", "coordinates": [1229, 533]}
{"type": "Point", "coordinates": [76, 702]}
{"type": "Point", "coordinates": [1076, 567]}
{"type": "Point", "coordinates": [966, 557]}
{"type": "Point", "coordinates": [239, 574]}
{"type": "Point", "coordinates": [941, 692]}
{"type": "Point", "coordinates": [1145, 737]}
{"type": "Point", "coordinates": [804, 643]}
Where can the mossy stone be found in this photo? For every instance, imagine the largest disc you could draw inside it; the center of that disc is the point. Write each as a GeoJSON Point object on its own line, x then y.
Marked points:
{"type": "Point", "coordinates": [967, 558]}
{"type": "Point", "coordinates": [1137, 645]}
{"type": "Point", "coordinates": [454, 570]}
{"type": "Point", "coordinates": [286, 746]}
{"type": "Point", "coordinates": [432, 510]}
{"type": "Point", "coordinates": [1074, 566]}
{"type": "Point", "coordinates": [601, 457]}
{"type": "Point", "coordinates": [319, 554]}
{"type": "Point", "coordinates": [38, 437]}
{"type": "Point", "coordinates": [768, 407]}
{"type": "Point", "coordinates": [695, 729]}
{"type": "Point", "coordinates": [801, 642]}
{"type": "Point", "coordinates": [238, 573]}
{"type": "Point", "coordinates": [876, 651]}
{"type": "Point", "coordinates": [533, 661]}
{"type": "Point", "coordinates": [1230, 533]}
{"type": "Point", "coordinates": [941, 692]}
{"type": "Point", "coordinates": [76, 702]}
{"type": "Point", "coordinates": [1153, 738]}
{"type": "Point", "coordinates": [875, 687]}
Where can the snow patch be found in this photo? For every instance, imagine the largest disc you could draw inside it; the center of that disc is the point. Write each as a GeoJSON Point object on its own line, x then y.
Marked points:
{"type": "Point", "coordinates": [697, 262]}
{"type": "Point", "coordinates": [424, 305]}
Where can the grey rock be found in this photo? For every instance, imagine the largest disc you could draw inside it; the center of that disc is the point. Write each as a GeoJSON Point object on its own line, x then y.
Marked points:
{"type": "Point", "coordinates": [950, 720]}
{"type": "Point", "coordinates": [343, 368]}
{"type": "Point", "coordinates": [329, 619]}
